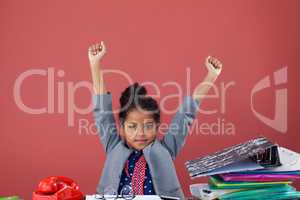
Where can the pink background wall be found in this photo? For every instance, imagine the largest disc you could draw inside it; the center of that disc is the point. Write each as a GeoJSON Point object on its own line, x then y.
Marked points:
{"type": "Point", "coordinates": [151, 41]}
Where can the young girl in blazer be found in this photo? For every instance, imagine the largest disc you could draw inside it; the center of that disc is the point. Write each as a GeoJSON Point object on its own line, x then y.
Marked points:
{"type": "Point", "coordinates": [136, 159]}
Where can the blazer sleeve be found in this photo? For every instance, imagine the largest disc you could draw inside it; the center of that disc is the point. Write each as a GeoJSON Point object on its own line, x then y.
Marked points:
{"type": "Point", "coordinates": [179, 126]}
{"type": "Point", "coordinates": [105, 121]}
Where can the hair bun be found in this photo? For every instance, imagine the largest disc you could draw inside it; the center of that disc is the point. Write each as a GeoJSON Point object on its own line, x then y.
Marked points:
{"type": "Point", "coordinates": [132, 92]}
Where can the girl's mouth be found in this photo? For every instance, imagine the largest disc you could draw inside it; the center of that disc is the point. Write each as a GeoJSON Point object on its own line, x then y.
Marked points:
{"type": "Point", "coordinates": [141, 140]}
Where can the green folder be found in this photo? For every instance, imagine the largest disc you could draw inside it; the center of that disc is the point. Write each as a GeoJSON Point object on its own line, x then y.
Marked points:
{"type": "Point", "coordinates": [10, 198]}
{"type": "Point", "coordinates": [217, 183]}
{"type": "Point", "coordinates": [263, 193]}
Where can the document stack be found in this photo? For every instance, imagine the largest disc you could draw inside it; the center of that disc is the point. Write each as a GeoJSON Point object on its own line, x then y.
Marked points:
{"type": "Point", "coordinates": [256, 169]}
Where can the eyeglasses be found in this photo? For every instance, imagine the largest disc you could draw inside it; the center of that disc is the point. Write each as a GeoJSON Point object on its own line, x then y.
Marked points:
{"type": "Point", "coordinates": [113, 197]}
{"type": "Point", "coordinates": [111, 194]}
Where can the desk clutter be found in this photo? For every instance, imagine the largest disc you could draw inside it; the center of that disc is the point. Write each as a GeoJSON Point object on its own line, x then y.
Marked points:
{"type": "Point", "coordinates": [256, 169]}
{"type": "Point", "coordinates": [64, 188]}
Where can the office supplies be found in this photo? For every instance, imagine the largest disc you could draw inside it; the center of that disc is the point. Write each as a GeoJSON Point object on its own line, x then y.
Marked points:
{"type": "Point", "coordinates": [254, 170]}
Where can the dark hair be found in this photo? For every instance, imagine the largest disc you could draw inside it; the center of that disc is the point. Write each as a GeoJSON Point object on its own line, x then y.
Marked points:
{"type": "Point", "coordinates": [135, 97]}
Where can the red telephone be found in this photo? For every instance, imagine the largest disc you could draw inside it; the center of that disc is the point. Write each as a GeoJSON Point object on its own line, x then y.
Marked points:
{"type": "Point", "coordinates": [57, 188]}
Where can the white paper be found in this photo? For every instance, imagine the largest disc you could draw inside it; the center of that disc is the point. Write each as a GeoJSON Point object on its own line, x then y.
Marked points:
{"type": "Point", "coordinates": [137, 197]}
{"type": "Point", "coordinates": [202, 191]}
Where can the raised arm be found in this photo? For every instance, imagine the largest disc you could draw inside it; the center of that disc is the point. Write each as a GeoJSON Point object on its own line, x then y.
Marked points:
{"type": "Point", "coordinates": [102, 100]}
{"type": "Point", "coordinates": [183, 119]}
{"type": "Point", "coordinates": [96, 53]}
{"type": "Point", "coordinates": [214, 67]}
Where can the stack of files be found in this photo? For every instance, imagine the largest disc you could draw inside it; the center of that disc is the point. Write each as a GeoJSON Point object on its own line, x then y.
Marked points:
{"type": "Point", "coordinates": [256, 169]}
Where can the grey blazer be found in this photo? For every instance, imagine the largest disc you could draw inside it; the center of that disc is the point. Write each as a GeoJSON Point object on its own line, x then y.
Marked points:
{"type": "Point", "coordinates": [159, 154]}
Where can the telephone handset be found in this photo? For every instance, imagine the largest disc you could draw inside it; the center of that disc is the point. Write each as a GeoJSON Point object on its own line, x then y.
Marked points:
{"type": "Point", "coordinates": [57, 188]}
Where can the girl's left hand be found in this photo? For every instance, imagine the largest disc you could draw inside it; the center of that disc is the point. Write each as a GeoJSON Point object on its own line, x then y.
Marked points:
{"type": "Point", "coordinates": [96, 52]}
{"type": "Point", "coordinates": [213, 65]}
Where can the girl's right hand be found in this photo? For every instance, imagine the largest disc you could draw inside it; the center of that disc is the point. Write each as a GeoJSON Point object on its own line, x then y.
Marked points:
{"type": "Point", "coordinates": [214, 66]}
{"type": "Point", "coordinates": [96, 52]}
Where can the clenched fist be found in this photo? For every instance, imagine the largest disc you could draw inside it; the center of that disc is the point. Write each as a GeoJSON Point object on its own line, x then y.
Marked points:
{"type": "Point", "coordinates": [213, 65]}
{"type": "Point", "coordinates": [96, 52]}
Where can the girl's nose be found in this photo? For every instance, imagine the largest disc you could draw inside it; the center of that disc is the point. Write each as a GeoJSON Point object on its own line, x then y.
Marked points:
{"type": "Point", "coordinates": [141, 131]}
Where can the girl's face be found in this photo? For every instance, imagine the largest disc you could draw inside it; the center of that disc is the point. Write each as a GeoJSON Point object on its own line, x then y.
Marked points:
{"type": "Point", "coordinates": [139, 129]}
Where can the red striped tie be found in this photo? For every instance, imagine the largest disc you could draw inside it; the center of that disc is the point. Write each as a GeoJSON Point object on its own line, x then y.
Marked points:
{"type": "Point", "coordinates": [138, 176]}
